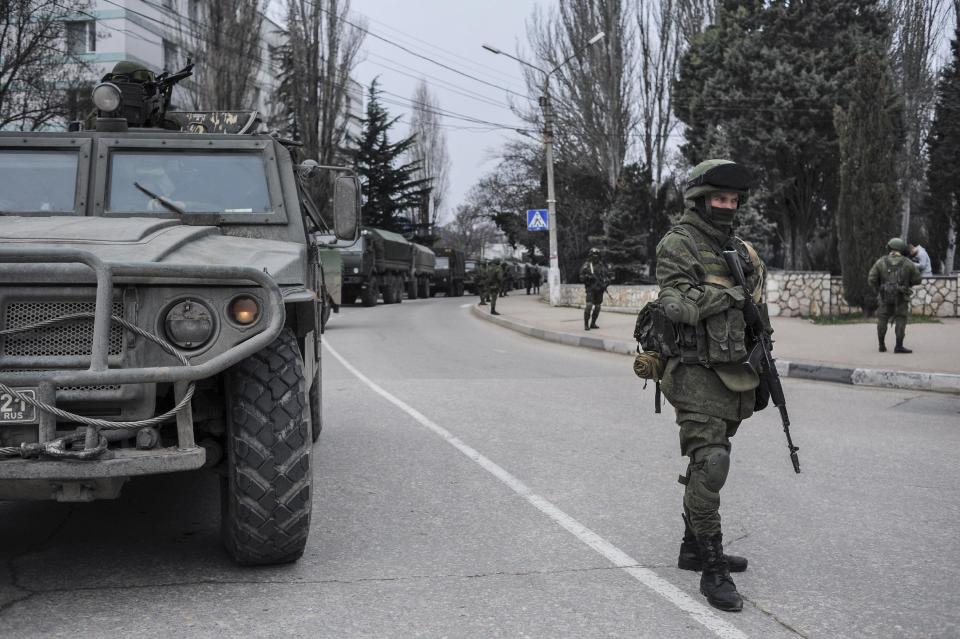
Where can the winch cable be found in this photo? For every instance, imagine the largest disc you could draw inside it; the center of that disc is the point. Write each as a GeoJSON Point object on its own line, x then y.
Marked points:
{"type": "Point", "coordinates": [11, 451]}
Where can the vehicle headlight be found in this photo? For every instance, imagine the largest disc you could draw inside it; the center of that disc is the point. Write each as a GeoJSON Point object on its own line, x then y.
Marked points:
{"type": "Point", "coordinates": [244, 310]}
{"type": "Point", "coordinates": [189, 324]}
{"type": "Point", "coordinates": [107, 97]}
{"type": "Point", "coordinates": [356, 270]}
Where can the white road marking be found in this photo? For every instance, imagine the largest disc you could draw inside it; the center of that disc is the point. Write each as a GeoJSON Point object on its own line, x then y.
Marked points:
{"type": "Point", "coordinates": [466, 305]}
{"type": "Point", "coordinates": [699, 612]}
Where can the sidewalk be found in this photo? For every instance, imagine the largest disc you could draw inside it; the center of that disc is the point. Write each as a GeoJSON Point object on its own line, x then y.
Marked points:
{"type": "Point", "coordinates": [845, 353]}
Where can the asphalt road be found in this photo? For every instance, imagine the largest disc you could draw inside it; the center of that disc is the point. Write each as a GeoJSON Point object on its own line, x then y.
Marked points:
{"type": "Point", "coordinates": [473, 482]}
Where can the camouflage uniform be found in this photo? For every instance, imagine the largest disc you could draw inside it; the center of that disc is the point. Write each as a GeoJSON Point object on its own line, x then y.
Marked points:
{"type": "Point", "coordinates": [709, 386]}
{"type": "Point", "coordinates": [493, 281]}
{"type": "Point", "coordinates": [595, 277]}
{"type": "Point", "coordinates": [891, 277]}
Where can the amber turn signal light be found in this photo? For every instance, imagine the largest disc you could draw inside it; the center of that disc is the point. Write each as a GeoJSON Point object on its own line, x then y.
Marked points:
{"type": "Point", "coordinates": [244, 310]}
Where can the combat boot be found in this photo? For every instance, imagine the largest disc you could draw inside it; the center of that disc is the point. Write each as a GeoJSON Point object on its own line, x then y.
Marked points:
{"type": "Point", "coordinates": [586, 319]}
{"type": "Point", "coordinates": [883, 347]}
{"type": "Point", "coordinates": [689, 557]}
{"type": "Point", "coordinates": [715, 582]}
{"type": "Point", "coordinates": [900, 348]}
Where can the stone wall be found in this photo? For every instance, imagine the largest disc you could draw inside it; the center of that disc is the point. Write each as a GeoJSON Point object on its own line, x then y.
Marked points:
{"type": "Point", "coordinates": [632, 297]}
{"type": "Point", "coordinates": [791, 294]}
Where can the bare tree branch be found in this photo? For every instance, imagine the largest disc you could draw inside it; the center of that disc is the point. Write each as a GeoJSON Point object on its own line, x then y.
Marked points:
{"type": "Point", "coordinates": [37, 73]}
{"type": "Point", "coordinates": [429, 150]}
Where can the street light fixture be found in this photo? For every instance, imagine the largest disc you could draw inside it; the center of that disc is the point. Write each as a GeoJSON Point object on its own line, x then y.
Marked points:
{"type": "Point", "coordinates": [553, 278]}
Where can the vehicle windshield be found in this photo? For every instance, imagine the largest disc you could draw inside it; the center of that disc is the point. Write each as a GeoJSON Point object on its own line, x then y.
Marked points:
{"type": "Point", "coordinates": [442, 262]}
{"type": "Point", "coordinates": [470, 265]}
{"type": "Point", "coordinates": [37, 181]}
{"type": "Point", "coordinates": [191, 181]}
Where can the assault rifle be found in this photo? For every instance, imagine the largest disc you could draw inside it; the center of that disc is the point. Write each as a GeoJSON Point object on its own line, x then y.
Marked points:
{"type": "Point", "coordinates": [768, 370]}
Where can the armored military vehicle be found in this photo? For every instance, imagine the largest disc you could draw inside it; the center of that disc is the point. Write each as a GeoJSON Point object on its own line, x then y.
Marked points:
{"type": "Point", "coordinates": [379, 262]}
{"type": "Point", "coordinates": [160, 310]}
{"type": "Point", "coordinates": [450, 272]}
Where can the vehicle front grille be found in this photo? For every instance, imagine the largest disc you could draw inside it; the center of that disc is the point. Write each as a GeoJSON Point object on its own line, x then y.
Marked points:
{"type": "Point", "coordinates": [70, 338]}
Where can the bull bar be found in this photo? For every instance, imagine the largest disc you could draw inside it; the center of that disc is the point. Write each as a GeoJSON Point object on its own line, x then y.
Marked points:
{"type": "Point", "coordinates": [65, 264]}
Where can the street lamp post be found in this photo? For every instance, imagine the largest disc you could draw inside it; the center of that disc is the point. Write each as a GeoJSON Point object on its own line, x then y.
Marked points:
{"type": "Point", "coordinates": [553, 277]}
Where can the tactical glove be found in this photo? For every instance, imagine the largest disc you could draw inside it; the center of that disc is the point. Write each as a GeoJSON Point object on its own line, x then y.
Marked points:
{"type": "Point", "coordinates": [752, 317]}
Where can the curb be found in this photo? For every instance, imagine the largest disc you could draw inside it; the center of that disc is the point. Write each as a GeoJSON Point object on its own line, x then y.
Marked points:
{"type": "Point", "coordinates": [904, 380]}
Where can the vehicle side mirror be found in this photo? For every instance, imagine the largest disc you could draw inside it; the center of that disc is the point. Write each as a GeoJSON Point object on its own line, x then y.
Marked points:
{"type": "Point", "coordinates": [346, 207]}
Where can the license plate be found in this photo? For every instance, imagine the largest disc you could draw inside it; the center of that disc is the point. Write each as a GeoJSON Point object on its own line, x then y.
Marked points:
{"type": "Point", "coordinates": [17, 411]}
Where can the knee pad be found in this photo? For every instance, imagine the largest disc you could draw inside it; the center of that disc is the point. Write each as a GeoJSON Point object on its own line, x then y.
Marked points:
{"type": "Point", "coordinates": [715, 462]}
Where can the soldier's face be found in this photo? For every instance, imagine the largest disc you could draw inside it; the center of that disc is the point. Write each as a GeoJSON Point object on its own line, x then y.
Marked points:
{"type": "Point", "coordinates": [724, 200]}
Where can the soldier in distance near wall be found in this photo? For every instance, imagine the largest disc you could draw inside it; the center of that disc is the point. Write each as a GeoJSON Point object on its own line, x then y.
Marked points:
{"type": "Point", "coordinates": [595, 277]}
{"type": "Point", "coordinates": [710, 383]}
{"type": "Point", "coordinates": [892, 277]}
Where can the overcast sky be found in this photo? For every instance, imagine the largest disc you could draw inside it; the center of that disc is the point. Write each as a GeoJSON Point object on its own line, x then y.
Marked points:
{"type": "Point", "coordinates": [449, 32]}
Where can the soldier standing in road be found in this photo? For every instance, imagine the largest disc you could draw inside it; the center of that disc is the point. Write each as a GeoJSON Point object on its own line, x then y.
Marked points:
{"type": "Point", "coordinates": [892, 276]}
{"type": "Point", "coordinates": [482, 274]}
{"type": "Point", "coordinates": [709, 385]}
{"type": "Point", "coordinates": [494, 282]}
{"type": "Point", "coordinates": [595, 277]}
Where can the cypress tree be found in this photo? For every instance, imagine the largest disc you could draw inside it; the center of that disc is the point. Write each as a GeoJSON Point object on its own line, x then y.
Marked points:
{"type": "Point", "coordinates": [943, 171]}
{"type": "Point", "coordinates": [870, 137]}
{"type": "Point", "coordinates": [390, 189]}
{"type": "Point", "coordinates": [624, 228]}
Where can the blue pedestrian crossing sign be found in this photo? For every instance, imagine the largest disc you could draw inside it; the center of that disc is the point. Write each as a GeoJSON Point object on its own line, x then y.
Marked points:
{"type": "Point", "coordinates": [538, 219]}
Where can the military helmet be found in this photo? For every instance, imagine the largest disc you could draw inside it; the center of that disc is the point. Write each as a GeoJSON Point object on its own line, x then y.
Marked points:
{"type": "Point", "coordinates": [896, 244]}
{"type": "Point", "coordinates": [594, 251]}
{"type": "Point", "coordinates": [134, 71]}
{"type": "Point", "coordinates": [495, 260]}
{"type": "Point", "coordinates": [717, 175]}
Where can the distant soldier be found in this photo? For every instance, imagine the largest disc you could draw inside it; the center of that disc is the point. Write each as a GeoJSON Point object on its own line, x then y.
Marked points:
{"type": "Point", "coordinates": [595, 277]}
{"type": "Point", "coordinates": [528, 277]}
{"type": "Point", "coordinates": [481, 280]}
{"type": "Point", "coordinates": [494, 283]}
{"type": "Point", "coordinates": [892, 276]}
{"type": "Point", "coordinates": [537, 278]}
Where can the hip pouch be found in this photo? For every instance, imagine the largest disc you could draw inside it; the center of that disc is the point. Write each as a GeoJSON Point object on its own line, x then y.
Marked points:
{"type": "Point", "coordinates": [724, 335]}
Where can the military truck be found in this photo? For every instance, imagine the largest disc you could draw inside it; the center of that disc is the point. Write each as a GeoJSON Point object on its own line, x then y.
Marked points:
{"type": "Point", "coordinates": [450, 272]}
{"type": "Point", "coordinates": [422, 272]}
{"type": "Point", "coordinates": [471, 276]}
{"type": "Point", "coordinates": [378, 263]}
{"type": "Point", "coordinates": [160, 310]}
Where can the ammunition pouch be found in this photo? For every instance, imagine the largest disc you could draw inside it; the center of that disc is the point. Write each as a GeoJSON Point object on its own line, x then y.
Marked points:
{"type": "Point", "coordinates": [719, 339]}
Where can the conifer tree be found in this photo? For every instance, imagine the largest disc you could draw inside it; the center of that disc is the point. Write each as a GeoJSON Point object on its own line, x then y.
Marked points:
{"type": "Point", "coordinates": [943, 172]}
{"type": "Point", "coordinates": [768, 76]}
{"type": "Point", "coordinates": [391, 191]}
{"type": "Point", "coordinates": [870, 137]}
{"type": "Point", "coordinates": [625, 225]}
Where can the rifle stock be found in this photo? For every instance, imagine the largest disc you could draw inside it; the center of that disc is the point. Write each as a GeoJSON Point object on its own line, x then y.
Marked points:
{"type": "Point", "coordinates": [769, 368]}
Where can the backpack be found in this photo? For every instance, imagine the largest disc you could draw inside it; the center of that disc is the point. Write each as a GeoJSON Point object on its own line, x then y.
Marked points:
{"type": "Point", "coordinates": [890, 290]}
{"type": "Point", "coordinates": [656, 342]}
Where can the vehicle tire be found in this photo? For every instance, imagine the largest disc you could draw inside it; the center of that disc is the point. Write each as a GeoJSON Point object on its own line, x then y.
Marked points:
{"type": "Point", "coordinates": [398, 296]}
{"type": "Point", "coordinates": [425, 288]}
{"type": "Point", "coordinates": [412, 289]}
{"type": "Point", "coordinates": [389, 290]}
{"type": "Point", "coordinates": [369, 295]}
{"type": "Point", "coordinates": [265, 495]}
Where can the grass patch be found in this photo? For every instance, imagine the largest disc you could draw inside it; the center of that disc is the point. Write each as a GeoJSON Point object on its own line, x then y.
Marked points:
{"type": "Point", "coordinates": [858, 318]}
